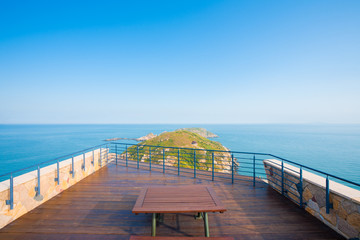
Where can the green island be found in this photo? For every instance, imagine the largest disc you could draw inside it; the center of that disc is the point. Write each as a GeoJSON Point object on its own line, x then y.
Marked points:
{"type": "Point", "coordinates": [176, 141]}
{"type": "Point", "coordinates": [201, 131]}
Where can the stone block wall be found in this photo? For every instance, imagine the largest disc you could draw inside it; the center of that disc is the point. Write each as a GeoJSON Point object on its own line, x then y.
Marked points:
{"type": "Point", "coordinates": [24, 185]}
{"type": "Point", "coordinates": [344, 216]}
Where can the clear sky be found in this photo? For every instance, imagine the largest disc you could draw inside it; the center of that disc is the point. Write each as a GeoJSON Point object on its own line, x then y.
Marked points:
{"type": "Point", "coordinates": [180, 61]}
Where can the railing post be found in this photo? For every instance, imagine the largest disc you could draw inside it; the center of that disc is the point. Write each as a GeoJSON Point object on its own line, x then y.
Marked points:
{"type": "Point", "coordinates": [93, 158]}
{"type": "Point", "coordinates": [212, 166]}
{"type": "Point", "coordinates": [72, 167]}
{"type": "Point", "coordinates": [57, 179]}
{"type": "Point", "coordinates": [254, 174]}
{"type": "Point", "coordinates": [137, 152]}
{"type": "Point", "coordinates": [150, 158]}
{"type": "Point", "coordinates": [328, 204]}
{"type": "Point", "coordinates": [301, 187]}
{"type": "Point", "coordinates": [83, 166]}
{"type": "Point", "coordinates": [178, 161]}
{"type": "Point", "coordinates": [11, 193]}
{"type": "Point", "coordinates": [232, 168]}
{"type": "Point", "coordinates": [38, 196]}
{"type": "Point", "coordinates": [126, 156]}
{"type": "Point", "coordinates": [282, 177]}
{"type": "Point", "coordinates": [107, 154]}
{"type": "Point", "coordinates": [116, 154]}
{"type": "Point", "coordinates": [163, 160]}
{"type": "Point", "coordinates": [100, 160]}
{"type": "Point", "coordinates": [194, 163]}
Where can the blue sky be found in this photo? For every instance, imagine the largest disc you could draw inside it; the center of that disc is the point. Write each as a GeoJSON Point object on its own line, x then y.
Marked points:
{"type": "Point", "coordinates": [180, 61]}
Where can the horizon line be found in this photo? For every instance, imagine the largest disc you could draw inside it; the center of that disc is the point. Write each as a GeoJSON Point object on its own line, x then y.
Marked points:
{"type": "Point", "coordinates": [284, 123]}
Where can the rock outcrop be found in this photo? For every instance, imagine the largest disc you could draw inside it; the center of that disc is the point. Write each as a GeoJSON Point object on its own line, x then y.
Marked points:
{"type": "Point", "coordinates": [147, 137]}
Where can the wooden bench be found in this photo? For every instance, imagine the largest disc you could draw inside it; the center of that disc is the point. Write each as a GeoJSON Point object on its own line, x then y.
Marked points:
{"type": "Point", "coordinates": [179, 238]}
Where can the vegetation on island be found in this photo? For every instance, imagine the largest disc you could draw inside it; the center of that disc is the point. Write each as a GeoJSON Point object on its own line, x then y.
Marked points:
{"type": "Point", "coordinates": [201, 131]}
{"type": "Point", "coordinates": [168, 147]}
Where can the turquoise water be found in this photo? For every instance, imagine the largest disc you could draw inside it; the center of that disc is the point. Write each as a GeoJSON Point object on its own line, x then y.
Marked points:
{"type": "Point", "coordinates": [331, 148]}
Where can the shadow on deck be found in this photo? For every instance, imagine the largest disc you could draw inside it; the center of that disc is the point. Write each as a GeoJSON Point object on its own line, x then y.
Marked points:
{"type": "Point", "coordinates": [99, 207]}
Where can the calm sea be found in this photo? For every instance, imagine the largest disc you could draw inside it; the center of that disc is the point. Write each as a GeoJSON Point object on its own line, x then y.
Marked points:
{"type": "Point", "coordinates": [331, 148]}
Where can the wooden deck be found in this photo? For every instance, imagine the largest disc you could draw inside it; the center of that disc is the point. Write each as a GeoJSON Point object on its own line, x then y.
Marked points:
{"type": "Point", "coordinates": [99, 207]}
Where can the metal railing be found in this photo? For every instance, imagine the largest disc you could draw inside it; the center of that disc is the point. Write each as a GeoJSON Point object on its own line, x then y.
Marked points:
{"type": "Point", "coordinates": [233, 165]}
{"type": "Point", "coordinates": [11, 175]}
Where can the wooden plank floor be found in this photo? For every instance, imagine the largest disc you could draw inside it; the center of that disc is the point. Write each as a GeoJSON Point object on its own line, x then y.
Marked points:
{"type": "Point", "coordinates": [99, 207]}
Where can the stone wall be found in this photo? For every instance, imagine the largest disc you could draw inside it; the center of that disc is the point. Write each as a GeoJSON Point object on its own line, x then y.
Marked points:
{"type": "Point", "coordinates": [24, 185]}
{"type": "Point", "coordinates": [344, 216]}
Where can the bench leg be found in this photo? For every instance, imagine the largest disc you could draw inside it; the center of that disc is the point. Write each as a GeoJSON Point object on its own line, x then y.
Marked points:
{"type": "Point", "coordinates": [206, 225]}
{"type": "Point", "coordinates": [153, 227]}
{"type": "Point", "coordinates": [198, 216]}
{"type": "Point", "coordinates": [160, 217]}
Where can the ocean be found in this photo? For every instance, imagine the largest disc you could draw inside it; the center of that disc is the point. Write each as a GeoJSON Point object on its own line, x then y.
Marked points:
{"type": "Point", "coordinates": [331, 148]}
